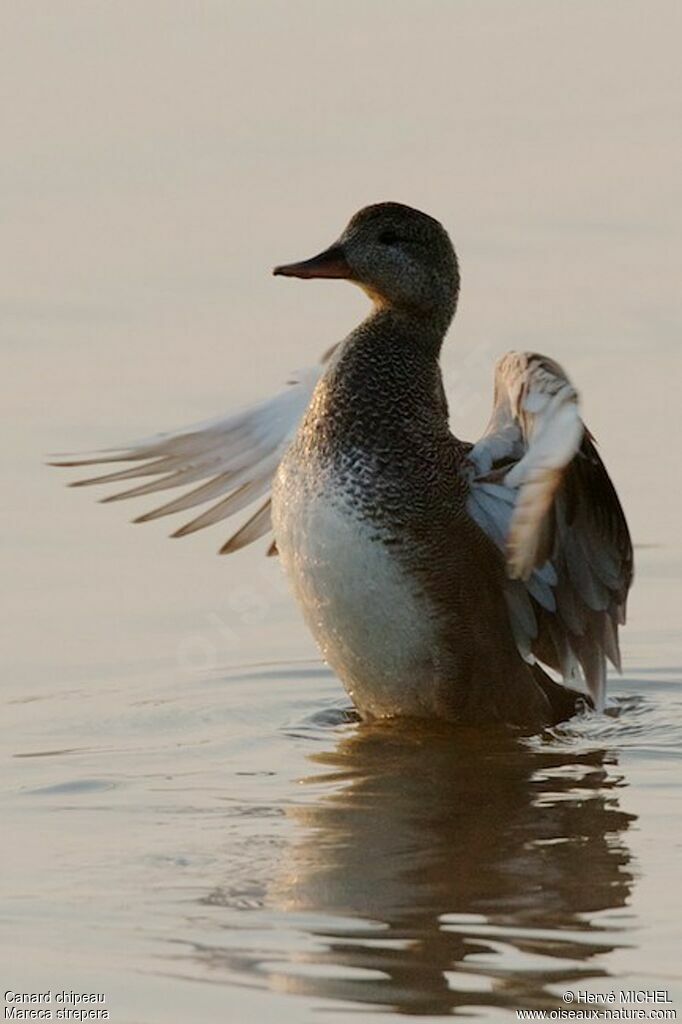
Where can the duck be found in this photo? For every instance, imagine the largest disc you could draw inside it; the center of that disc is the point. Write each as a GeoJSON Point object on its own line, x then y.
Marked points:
{"type": "Point", "coordinates": [470, 582]}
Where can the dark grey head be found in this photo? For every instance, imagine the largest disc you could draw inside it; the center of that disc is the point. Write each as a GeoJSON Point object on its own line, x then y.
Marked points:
{"type": "Point", "coordinates": [401, 257]}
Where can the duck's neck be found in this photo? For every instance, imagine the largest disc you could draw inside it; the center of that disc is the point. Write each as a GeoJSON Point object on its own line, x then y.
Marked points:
{"type": "Point", "coordinates": [423, 330]}
{"type": "Point", "coordinates": [384, 381]}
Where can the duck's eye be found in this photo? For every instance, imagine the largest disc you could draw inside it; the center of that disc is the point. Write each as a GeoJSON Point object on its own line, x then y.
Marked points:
{"type": "Point", "coordinates": [388, 237]}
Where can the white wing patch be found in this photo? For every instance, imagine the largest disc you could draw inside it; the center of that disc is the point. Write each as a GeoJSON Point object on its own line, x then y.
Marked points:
{"type": "Point", "coordinates": [536, 420]}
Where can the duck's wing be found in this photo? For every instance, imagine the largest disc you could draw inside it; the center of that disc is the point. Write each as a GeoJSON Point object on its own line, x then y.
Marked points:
{"type": "Point", "coordinates": [232, 459]}
{"type": "Point", "coordinates": [540, 490]}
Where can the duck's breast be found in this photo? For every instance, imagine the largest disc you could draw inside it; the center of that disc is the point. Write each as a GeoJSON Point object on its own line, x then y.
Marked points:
{"type": "Point", "coordinates": [370, 616]}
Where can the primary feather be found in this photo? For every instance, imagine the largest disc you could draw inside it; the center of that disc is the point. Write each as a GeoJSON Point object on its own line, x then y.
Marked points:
{"type": "Point", "coordinates": [234, 458]}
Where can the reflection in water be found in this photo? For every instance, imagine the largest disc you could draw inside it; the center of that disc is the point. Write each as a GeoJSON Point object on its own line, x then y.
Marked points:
{"type": "Point", "coordinates": [470, 866]}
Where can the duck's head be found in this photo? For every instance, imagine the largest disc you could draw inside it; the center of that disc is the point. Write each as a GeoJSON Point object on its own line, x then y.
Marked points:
{"type": "Point", "coordinates": [401, 257]}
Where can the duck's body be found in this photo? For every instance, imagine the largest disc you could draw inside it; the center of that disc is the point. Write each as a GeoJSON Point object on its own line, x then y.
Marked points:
{"type": "Point", "coordinates": [396, 582]}
{"type": "Point", "coordinates": [348, 505]}
{"type": "Point", "coordinates": [435, 575]}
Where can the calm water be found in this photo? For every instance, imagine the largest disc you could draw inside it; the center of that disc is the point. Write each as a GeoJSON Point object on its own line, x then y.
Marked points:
{"type": "Point", "coordinates": [194, 823]}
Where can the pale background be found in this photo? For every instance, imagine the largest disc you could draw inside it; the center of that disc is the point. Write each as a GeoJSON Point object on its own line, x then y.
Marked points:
{"type": "Point", "coordinates": [158, 158]}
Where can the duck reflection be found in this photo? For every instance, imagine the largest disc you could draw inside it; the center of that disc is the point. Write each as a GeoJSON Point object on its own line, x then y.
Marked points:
{"type": "Point", "coordinates": [472, 867]}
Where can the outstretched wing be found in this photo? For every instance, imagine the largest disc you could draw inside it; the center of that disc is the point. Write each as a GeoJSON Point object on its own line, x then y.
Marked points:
{"type": "Point", "coordinates": [542, 493]}
{"type": "Point", "coordinates": [232, 459]}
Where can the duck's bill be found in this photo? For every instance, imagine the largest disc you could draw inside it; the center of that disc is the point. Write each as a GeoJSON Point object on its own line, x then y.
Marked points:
{"type": "Point", "coordinates": [330, 263]}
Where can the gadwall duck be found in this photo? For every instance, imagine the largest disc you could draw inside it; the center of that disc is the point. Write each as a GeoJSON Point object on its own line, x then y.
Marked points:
{"type": "Point", "coordinates": [439, 578]}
